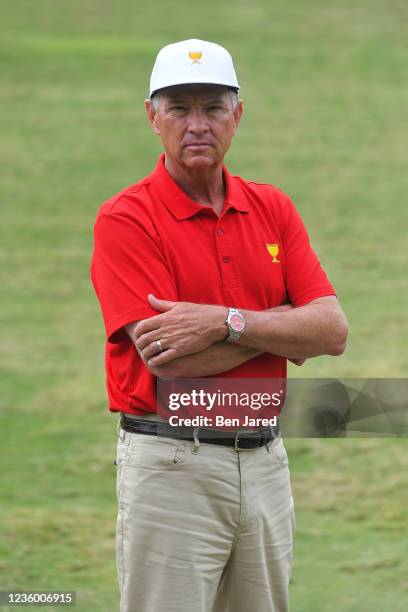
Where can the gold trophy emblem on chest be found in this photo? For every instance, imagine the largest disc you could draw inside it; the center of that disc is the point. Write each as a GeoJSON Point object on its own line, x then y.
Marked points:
{"type": "Point", "coordinates": [273, 250]}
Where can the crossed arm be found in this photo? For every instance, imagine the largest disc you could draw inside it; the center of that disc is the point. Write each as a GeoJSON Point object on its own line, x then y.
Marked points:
{"type": "Point", "coordinates": [193, 335]}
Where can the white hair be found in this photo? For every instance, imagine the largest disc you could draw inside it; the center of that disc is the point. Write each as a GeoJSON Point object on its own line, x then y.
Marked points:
{"type": "Point", "coordinates": [155, 99]}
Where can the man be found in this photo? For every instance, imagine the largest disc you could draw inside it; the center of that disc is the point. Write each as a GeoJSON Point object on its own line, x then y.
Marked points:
{"type": "Point", "coordinates": [202, 274]}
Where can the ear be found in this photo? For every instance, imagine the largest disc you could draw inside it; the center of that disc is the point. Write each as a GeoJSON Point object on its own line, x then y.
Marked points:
{"type": "Point", "coordinates": [152, 116]}
{"type": "Point", "coordinates": [239, 109]}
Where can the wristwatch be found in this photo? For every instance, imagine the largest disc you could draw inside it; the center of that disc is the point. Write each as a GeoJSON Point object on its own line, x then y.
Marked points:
{"type": "Point", "coordinates": [236, 324]}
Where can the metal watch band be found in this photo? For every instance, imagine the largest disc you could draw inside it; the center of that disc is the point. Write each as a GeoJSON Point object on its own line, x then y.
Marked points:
{"type": "Point", "coordinates": [233, 334]}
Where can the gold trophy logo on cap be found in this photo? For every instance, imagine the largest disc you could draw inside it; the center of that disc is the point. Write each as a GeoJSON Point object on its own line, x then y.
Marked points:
{"type": "Point", "coordinates": [195, 56]}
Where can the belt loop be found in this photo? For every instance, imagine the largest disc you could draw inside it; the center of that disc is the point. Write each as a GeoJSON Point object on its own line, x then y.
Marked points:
{"type": "Point", "coordinates": [269, 444]}
{"type": "Point", "coordinates": [196, 447]}
{"type": "Point", "coordinates": [236, 439]}
{"type": "Point", "coordinates": [121, 432]}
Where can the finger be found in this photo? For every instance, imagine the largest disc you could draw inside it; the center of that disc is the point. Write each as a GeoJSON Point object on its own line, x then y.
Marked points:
{"type": "Point", "coordinates": [147, 325]}
{"type": "Point", "coordinates": [162, 358]}
{"type": "Point", "coordinates": [145, 339]}
{"type": "Point", "coordinates": [161, 305]}
{"type": "Point", "coordinates": [151, 351]}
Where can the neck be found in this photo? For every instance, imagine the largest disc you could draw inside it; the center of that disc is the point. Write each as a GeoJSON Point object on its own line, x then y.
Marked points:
{"type": "Point", "coordinates": [203, 186]}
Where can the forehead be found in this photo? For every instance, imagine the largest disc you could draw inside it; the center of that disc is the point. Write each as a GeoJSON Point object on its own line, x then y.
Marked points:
{"type": "Point", "coordinates": [195, 91]}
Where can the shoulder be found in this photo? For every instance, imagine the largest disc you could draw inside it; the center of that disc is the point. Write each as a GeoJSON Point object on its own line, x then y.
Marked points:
{"type": "Point", "coordinates": [264, 195]}
{"type": "Point", "coordinates": [127, 214]}
{"type": "Point", "coordinates": [129, 201]}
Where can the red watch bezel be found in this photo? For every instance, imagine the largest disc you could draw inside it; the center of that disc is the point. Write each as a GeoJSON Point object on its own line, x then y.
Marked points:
{"type": "Point", "coordinates": [237, 322]}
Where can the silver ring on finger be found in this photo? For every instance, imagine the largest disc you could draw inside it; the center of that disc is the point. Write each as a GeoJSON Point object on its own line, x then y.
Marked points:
{"type": "Point", "coordinates": [159, 346]}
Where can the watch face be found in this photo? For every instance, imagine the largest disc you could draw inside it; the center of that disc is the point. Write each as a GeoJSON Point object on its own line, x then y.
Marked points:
{"type": "Point", "coordinates": [237, 322]}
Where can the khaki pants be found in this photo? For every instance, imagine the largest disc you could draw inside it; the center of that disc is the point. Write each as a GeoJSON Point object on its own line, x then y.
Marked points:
{"type": "Point", "coordinates": [206, 531]}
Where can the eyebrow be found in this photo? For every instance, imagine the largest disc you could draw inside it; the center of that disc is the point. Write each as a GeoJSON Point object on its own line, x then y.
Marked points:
{"type": "Point", "coordinates": [178, 98]}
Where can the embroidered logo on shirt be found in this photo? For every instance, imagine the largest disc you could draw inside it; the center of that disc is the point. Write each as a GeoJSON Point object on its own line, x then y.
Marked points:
{"type": "Point", "coordinates": [273, 250]}
{"type": "Point", "coordinates": [195, 56]}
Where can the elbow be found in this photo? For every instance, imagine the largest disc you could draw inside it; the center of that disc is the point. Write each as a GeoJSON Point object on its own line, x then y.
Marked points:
{"type": "Point", "coordinates": [338, 340]}
{"type": "Point", "coordinates": [338, 349]}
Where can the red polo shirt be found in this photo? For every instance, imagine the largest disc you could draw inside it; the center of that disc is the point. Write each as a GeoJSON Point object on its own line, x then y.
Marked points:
{"type": "Point", "coordinates": [152, 238]}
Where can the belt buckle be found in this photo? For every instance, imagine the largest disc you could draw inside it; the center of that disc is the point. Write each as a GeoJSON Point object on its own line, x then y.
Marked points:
{"type": "Point", "coordinates": [239, 447]}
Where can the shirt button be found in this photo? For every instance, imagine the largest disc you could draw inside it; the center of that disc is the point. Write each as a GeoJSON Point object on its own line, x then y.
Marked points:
{"type": "Point", "coordinates": [220, 231]}
{"type": "Point", "coordinates": [226, 259]}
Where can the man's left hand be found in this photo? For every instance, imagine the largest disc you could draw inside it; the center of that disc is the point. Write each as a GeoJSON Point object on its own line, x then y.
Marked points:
{"type": "Point", "coordinates": [183, 328]}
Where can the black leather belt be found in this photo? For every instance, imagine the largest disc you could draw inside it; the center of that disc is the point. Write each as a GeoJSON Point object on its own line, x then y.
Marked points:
{"type": "Point", "coordinates": [240, 439]}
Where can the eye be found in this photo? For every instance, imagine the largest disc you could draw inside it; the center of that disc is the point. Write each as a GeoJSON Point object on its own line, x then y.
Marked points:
{"type": "Point", "coordinates": [176, 107]}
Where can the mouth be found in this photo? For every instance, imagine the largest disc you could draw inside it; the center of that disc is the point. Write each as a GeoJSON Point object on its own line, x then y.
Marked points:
{"type": "Point", "coordinates": [197, 145]}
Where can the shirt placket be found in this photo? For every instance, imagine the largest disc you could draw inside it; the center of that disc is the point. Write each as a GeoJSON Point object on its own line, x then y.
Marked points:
{"type": "Point", "coordinates": [225, 253]}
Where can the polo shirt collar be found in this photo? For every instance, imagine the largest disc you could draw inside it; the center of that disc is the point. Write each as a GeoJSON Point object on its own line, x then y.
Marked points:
{"type": "Point", "coordinates": [178, 202]}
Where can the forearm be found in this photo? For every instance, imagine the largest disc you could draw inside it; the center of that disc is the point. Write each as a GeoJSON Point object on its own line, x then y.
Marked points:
{"type": "Point", "coordinates": [217, 358]}
{"type": "Point", "coordinates": [308, 331]}
{"type": "Point", "coordinates": [184, 328]}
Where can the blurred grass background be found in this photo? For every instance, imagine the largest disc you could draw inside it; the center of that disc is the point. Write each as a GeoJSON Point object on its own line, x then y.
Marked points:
{"type": "Point", "coordinates": [325, 89]}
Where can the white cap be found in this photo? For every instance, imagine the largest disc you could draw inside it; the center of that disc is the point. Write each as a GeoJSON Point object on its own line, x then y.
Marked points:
{"type": "Point", "coordinates": [193, 61]}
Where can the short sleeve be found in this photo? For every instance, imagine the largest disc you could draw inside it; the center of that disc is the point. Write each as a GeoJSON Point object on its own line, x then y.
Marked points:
{"type": "Point", "coordinates": [305, 278]}
{"type": "Point", "coordinates": [127, 264]}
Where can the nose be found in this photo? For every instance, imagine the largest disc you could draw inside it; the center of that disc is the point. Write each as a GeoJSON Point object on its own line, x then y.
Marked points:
{"type": "Point", "coordinates": [197, 121]}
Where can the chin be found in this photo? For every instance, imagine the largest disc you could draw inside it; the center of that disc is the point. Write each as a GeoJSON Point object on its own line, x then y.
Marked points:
{"type": "Point", "coordinates": [199, 160]}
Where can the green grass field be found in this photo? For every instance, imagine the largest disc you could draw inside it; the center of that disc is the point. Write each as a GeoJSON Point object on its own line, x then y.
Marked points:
{"type": "Point", "coordinates": [326, 97]}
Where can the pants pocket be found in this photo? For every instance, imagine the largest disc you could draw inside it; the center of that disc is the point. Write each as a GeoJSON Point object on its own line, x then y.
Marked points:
{"type": "Point", "coordinates": [279, 452]}
{"type": "Point", "coordinates": [155, 453]}
{"type": "Point", "coordinates": [122, 448]}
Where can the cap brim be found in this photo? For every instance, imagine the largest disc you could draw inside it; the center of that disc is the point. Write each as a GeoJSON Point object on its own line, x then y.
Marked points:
{"type": "Point", "coordinates": [233, 87]}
